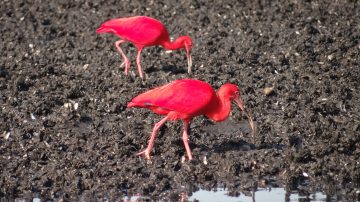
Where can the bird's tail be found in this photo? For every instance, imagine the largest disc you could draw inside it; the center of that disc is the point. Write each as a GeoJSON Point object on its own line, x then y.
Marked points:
{"type": "Point", "coordinates": [102, 29]}
{"type": "Point", "coordinates": [131, 104]}
{"type": "Point", "coordinates": [110, 26]}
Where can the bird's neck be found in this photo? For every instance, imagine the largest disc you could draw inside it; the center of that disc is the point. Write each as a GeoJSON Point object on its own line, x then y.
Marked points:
{"type": "Point", "coordinates": [220, 108]}
{"type": "Point", "coordinates": [173, 45]}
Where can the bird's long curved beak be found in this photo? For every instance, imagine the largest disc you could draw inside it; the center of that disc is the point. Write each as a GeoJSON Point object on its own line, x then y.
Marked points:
{"type": "Point", "coordinates": [188, 55]}
{"type": "Point", "coordinates": [241, 105]}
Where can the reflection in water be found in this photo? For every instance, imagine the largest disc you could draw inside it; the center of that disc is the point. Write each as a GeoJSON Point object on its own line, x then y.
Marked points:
{"type": "Point", "coordinates": [221, 194]}
{"type": "Point", "coordinates": [26, 200]}
{"type": "Point", "coordinates": [273, 194]}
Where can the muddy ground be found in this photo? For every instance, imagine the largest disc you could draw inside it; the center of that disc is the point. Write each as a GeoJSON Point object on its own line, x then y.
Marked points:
{"type": "Point", "coordinates": [66, 132]}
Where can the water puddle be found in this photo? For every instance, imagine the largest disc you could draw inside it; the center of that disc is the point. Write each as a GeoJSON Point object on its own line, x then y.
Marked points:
{"type": "Point", "coordinates": [274, 194]}
{"type": "Point", "coordinates": [221, 194]}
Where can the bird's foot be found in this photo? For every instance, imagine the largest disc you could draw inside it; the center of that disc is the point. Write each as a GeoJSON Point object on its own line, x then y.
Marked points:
{"type": "Point", "coordinates": [145, 153]}
{"type": "Point", "coordinates": [126, 63]}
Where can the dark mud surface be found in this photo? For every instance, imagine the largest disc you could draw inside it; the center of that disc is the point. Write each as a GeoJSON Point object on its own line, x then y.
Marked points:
{"type": "Point", "coordinates": [66, 132]}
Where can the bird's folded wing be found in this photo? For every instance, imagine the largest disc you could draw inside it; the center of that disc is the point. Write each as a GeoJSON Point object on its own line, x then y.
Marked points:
{"type": "Point", "coordinates": [140, 30]}
{"type": "Point", "coordinates": [184, 96]}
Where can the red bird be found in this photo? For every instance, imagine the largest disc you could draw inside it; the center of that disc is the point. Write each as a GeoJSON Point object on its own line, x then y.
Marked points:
{"type": "Point", "coordinates": [185, 99]}
{"type": "Point", "coordinates": [144, 31]}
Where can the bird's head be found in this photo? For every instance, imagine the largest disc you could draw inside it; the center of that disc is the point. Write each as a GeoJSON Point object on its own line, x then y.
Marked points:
{"type": "Point", "coordinates": [232, 92]}
{"type": "Point", "coordinates": [185, 41]}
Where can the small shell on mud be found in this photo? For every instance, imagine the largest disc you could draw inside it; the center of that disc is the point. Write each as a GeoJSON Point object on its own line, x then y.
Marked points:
{"type": "Point", "coordinates": [305, 174]}
{"type": "Point", "coordinates": [5, 135]}
{"type": "Point", "coordinates": [67, 105]}
{"type": "Point", "coordinates": [205, 160]}
{"type": "Point", "coordinates": [47, 144]}
{"type": "Point", "coordinates": [183, 159]}
{"type": "Point", "coordinates": [268, 90]}
{"type": "Point", "coordinates": [76, 105]}
{"type": "Point", "coordinates": [32, 116]}
{"type": "Point", "coordinates": [71, 105]}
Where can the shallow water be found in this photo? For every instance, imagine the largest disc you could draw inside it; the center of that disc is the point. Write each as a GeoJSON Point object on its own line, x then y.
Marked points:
{"type": "Point", "coordinates": [221, 194]}
{"type": "Point", "coordinates": [274, 194]}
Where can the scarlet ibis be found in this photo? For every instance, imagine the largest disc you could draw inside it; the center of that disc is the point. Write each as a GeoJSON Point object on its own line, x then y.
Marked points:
{"type": "Point", "coordinates": [144, 31]}
{"type": "Point", "coordinates": [185, 99]}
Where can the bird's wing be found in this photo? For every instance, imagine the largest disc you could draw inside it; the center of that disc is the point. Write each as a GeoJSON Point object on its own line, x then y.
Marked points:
{"type": "Point", "coordinates": [184, 96]}
{"type": "Point", "coordinates": [140, 30]}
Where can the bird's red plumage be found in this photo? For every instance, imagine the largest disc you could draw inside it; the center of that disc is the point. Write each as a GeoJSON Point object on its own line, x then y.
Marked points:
{"type": "Point", "coordinates": [140, 30]}
{"type": "Point", "coordinates": [187, 97]}
{"type": "Point", "coordinates": [144, 31]}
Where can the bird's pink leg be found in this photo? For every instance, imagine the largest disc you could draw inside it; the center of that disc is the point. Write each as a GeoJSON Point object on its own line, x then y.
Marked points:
{"type": "Point", "coordinates": [138, 62]}
{"type": "Point", "coordinates": [126, 60]}
{"type": "Point", "coordinates": [147, 151]}
{"type": "Point", "coordinates": [186, 139]}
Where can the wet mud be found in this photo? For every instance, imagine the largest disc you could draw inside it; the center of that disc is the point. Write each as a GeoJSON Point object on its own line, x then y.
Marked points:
{"type": "Point", "coordinates": [66, 132]}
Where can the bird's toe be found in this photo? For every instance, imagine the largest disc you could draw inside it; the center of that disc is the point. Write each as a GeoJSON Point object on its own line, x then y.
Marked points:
{"type": "Point", "coordinates": [144, 153]}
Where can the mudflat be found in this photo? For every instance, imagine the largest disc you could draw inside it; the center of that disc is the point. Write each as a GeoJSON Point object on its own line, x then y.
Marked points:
{"type": "Point", "coordinates": [66, 132]}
